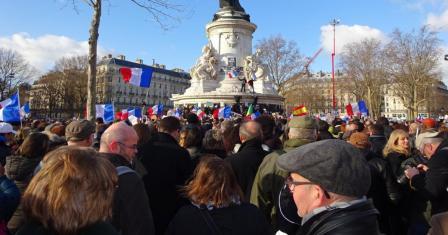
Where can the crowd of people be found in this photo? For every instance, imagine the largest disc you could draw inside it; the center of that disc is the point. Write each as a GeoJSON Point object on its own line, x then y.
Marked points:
{"type": "Point", "coordinates": [272, 175]}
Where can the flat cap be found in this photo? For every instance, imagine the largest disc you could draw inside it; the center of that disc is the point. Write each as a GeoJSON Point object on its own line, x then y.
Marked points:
{"type": "Point", "coordinates": [424, 135]}
{"type": "Point", "coordinates": [335, 165]}
{"type": "Point", "coordinates": [303, 122]}
{"type": "Point", "coordinates": [79, 130]}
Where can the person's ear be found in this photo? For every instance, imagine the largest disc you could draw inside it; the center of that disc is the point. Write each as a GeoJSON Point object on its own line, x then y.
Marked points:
{"type": "Point", "coordinates": [113, 146]}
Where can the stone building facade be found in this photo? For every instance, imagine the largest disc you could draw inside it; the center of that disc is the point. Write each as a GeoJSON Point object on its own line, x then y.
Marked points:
{"type": "Point", "coordinates": [47, 100]}
{"type": "Point", "coordinates": [315, 91]}
{"type": "Point", "coordinates": [436, 103]}
{"type": "Point", "coordinates": [164, 83]}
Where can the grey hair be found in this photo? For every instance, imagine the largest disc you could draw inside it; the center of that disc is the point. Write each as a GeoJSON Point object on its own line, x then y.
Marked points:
{"type": "Point", "coordinates": [431, 141]}
{"type": "Point", "coordinates": [251, 130]}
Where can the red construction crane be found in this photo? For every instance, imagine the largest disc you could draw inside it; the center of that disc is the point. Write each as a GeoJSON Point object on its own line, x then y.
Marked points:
{"type": "Point", "coordinates": [310, 60]}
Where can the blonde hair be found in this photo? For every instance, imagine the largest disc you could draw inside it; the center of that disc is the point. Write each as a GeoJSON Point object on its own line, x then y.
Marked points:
{"type": "Point", "coordinates": [73, 189]}
{"type": "Point", "coordinates": [392, 143]}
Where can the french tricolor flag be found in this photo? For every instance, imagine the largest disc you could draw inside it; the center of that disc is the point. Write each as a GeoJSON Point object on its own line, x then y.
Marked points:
{"type": "Point", "coordinates": [10, 109]}
{"type": "Point", "coordinates": [200, 114]}
{"type": "Point", "coordinates": [137, 76]}
{"type": "Point", "coordinates": [105, 111]}
{"type": "Point", "coordinates": [233, 73]}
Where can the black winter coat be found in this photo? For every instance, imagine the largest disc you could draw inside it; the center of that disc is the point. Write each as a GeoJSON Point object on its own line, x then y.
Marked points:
{"type": "Point", "coordinates": [360, 218]}
{"type": "Point", "coordinates": [20, 169]}
{"type": "Point", "coordinates": [434, 184]}
{"type": "Point", "coordinates": [131, 213]}
{"type": "Point", "coordinates": [412, 205]}
{"type": "Point", "coordinates": [384, 190]}
{"type": "Point", "coordinates": [5, 151]}
{"type": "Point", "coordinates": [235, 220]}
{"type": "Point", "coordinates": [377, 143]}
{"type": "Point", "coordinates": [169, 166]}
{"type": "Point", "coordinates": [245, 164]}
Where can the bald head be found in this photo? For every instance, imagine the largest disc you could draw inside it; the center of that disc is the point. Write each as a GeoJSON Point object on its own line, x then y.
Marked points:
{"type": "Point", "coordinates": [250, 130]}
{"type": "Point", "coordinates": [118, 132]}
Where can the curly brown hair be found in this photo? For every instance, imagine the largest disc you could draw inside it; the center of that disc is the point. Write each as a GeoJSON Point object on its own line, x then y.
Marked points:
{"type": "Point", "coordinates": [74, 189]}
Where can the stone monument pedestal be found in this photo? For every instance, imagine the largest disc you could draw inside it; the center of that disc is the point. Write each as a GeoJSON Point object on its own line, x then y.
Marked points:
{"type": "Point", "coordinates": [201, 86]}
{"type": "Point", "coordinates": [229, 50]}
{"type": "Point", "coordinates": [264, 87]}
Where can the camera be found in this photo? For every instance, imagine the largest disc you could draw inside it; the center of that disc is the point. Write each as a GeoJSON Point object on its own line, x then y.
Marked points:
{"type": "Point", "coordinates": [407, 164]}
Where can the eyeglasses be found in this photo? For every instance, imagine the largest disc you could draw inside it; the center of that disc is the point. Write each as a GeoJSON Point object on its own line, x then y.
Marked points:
{"type": "Point", "coordinates": [134, 146]}
{"type": "Point", "coordinates": [291, 184]}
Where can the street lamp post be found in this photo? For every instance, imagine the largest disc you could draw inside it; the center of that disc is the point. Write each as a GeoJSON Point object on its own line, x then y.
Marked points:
{"type": "Point", "coordinates": [334, 22]}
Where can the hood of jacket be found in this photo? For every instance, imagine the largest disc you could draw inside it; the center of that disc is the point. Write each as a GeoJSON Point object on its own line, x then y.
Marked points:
{"type": "Point", "coordinates": [18, 167]}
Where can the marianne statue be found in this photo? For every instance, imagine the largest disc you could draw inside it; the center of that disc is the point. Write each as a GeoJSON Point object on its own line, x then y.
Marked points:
{"type": "Point", "coordinates": [231, 5]}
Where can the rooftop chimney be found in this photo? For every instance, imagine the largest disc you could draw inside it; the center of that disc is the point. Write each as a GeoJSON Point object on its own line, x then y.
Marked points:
{"type": "Point", "coordinates": [139, 61]}
{"type": "Point", "coordinates": [121, 57]}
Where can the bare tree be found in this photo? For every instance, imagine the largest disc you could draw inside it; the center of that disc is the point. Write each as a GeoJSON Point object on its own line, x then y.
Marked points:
{"type": "Point", "coordinates": [73, 72]}
{"type": "Point", "coordinates": [282, 58]}
{"type": "Point", "coordinates": [162, 11]}
{"type": "Point", "coordinates": [364, 65]}
{"type": "Point", "coordinates": [14, 70]}
{"type": "Point", "coordinates": [413, 66]}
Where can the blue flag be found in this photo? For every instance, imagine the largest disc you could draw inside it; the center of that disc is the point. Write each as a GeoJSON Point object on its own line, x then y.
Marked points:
{"type": "Point", "coordinates": [362, 107]}
{"type": "Point", "coordinates": [10, 109]}
{"type": "Point", "coordinates": [25, 110]}
{"type": "Point", "coordinates": [227, 112]}
{"type": "Point", "coordinates": [105, 111]}
{"type": "Point", "coordinates": [160, 110]}
{"type": "Point", "coordinates": [136, 112]}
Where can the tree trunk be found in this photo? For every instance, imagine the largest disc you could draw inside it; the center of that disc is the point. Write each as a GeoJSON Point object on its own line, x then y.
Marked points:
{"type": "Point", "coordinates": [370, 102]}
{"type": "Point", "coordinates": [414, 109]}
{"type": "Point", "coordinates": [91, 79]}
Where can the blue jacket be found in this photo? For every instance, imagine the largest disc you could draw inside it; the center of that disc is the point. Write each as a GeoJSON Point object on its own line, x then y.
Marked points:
{"type": "Point", "coordinates": [9, 198]}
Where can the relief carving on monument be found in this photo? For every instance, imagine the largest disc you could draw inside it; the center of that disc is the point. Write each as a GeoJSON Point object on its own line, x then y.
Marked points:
{"type": "Point", "coordinates": [206, 67]}
{"type": "Point", "coordinates": [232, 39]}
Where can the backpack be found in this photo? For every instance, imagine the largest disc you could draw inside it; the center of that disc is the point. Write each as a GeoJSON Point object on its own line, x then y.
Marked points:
{"type": "Point", "coordinates": [121, 170]}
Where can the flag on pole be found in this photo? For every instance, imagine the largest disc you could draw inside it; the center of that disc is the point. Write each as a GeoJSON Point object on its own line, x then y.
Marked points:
{"type": "Point", "coordinates": [349, 109]}
{"type": "Point", "coordinates": [233, 73]}
{"type": "Point", "coordinates": [216, 113]}
{"type": "Point", "coordinates": [137, 76]}
{"type": "Point", "coordinates": [362, 107]}
{"type": "Point", "coordinates": [355, 108]}
{"type": "Point", "coordinates": [178, 113]}
{"type": "Point", "coordinates": [300, 111]}
{"type": "Point", "coordinates": [200, 114]}
{"type": "Point", "coordinates": [250, 110]}
{"type": "Point", "coordinates": [255, 115]}
{"type": "Point", "coordinates": [136, 112]}
{"type": "Point", "coordinates": [227, 111]}
{"type": "Point", "coordinates": [154, 110]}
{"type": "Point", "coordinates": [160, 110]}
{"type": "Point", "coordinates": [105, 111]}
{"type": "Point", "coordinates": [25, 111]}
{"type": "Point", "coordinates": [10, 109]}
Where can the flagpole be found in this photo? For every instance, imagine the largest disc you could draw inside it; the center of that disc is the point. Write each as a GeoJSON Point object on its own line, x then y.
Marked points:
{"type": "Point", "coordinates": [18, 101]}
{"type": "Point", "coordinates": [146, 99]}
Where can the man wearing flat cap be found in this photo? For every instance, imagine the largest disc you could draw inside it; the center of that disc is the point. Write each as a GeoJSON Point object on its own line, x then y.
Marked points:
{"type": "Point", "coordinates": [80, 133]}
{"type": "Point", "coordinates": [328, 181]}
{"type": "Point", "coordinates": [269, 181]}
{"type": "Point", "coordinates": [432, 180]}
